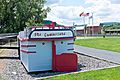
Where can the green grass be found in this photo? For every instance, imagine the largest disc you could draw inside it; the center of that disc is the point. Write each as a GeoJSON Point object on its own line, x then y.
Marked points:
{"type": "Point", "coordinates": [112, 44]}
{"type": "Point", "coordinates": [105, 74]}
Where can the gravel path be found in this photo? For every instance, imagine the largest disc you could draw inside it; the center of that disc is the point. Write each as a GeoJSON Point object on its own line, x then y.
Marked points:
{"type": "Point", "coordinates": [14, 70]}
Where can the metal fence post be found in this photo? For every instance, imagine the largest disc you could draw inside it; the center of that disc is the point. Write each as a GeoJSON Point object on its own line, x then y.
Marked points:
{"type": "Point", "coordinates": [18, 48]}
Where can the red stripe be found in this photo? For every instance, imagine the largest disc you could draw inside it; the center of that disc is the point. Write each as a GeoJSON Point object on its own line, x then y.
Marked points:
{"type": "Point", "coordinates": [28, 51]}
{"type": "Point", "coordinates": [24, 39]}
{"type": "Point", "coordinates": [53, 56]}
{"type": "Point", "coordinates": [49, 39]}
{"type": "Point", "coordinates": [28, 45]}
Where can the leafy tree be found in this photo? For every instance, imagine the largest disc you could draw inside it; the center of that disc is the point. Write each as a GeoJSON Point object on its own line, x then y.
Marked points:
{"type": "Point", "coordinates": [17, 14]}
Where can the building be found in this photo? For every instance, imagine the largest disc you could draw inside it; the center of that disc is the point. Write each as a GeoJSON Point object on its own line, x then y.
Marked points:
{"type": "Point", "coordinates": [89, 30]}
{"type": "Point", "coordinates": [111, 28]}
{"type": "Point", "coordinates": [113, 32]}
{"type": "Point", "coordinates": [93, 30]}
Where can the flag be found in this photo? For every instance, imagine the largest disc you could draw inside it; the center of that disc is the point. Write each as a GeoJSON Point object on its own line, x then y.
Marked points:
{"type": "Point", "coordinates": [84, 14]}
{"type": "Point", "coordinates": [90, 17]}
{"type": "Point", "coordinates": [81, 14]}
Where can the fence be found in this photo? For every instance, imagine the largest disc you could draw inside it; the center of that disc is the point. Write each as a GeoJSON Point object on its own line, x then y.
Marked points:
{"type": "Point", "coordinates": [7, 40]}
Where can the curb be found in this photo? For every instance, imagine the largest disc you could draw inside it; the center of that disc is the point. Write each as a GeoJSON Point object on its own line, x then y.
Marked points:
{"type": "Point", "coordinates": [77, 72]}
{"type": "Point", "coordinates": [98, 58]}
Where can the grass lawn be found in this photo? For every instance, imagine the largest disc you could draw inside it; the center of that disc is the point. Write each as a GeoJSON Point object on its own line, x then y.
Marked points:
{"type": "Point", "coordinates": [105, 74]}
{"type": "Point", "coordinates": [112, 44]}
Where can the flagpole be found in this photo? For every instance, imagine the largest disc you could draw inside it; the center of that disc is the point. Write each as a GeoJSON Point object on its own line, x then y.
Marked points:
{"type": "Point", "coordinates": [84, 26]}
{"type": "Point", "coordinates": [92, 25]}
{"type": "Point", "coordinates": [89, 26]}
{"type": "Point", "coordinates": [84, 14]}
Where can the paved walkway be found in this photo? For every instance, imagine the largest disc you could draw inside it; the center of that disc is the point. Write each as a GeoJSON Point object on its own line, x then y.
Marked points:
{"type": "Point", "coordinates": [77, 38]}
{"type": "Point", "coordinates": [101, 54]}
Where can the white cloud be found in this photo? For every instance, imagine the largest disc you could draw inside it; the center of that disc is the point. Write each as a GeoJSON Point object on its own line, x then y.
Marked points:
{"type": "Point", "coordinates": [104, 11]}
{"type": "Point", "coordinates": [64, 14]}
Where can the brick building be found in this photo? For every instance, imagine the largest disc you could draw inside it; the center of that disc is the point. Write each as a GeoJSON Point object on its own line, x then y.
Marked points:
{"type": "Point", "coordinates": [93, 29]}
{"type": "Point", "coordinates": [89, 30]}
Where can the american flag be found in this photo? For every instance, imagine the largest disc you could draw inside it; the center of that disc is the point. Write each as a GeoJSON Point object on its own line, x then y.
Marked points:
{"type": "Point", "coordinates": [84, 14]}
{"type": "Point", "coordinates": [90, 17]}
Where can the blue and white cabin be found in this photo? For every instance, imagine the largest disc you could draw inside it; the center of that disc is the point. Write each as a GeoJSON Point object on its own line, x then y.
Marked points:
{"type": "Point", "coordinates": [39, 47]}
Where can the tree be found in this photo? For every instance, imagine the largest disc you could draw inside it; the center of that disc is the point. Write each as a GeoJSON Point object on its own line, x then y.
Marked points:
{"type": "Point", "coordinates": [17, 14]}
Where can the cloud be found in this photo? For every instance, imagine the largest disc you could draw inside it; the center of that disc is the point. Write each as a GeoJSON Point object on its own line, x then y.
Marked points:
{"type": "Point", "coordinates": [65, 14]}
{"type": "Point", "coordinates": [97, 5]}
{"type": "Point", "coordinates": [103, 10]}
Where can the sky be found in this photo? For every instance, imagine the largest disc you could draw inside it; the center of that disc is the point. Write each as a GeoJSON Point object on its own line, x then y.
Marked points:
{"type": "Point", "coordinates": [66, 12]}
